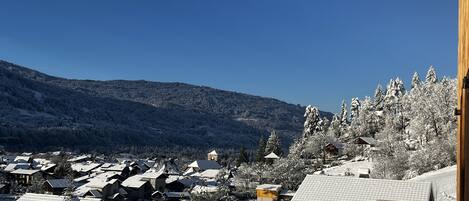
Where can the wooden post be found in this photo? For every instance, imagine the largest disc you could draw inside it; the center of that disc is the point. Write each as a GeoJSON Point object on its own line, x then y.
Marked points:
{"type": "Point", "coordinates": [463, 120]}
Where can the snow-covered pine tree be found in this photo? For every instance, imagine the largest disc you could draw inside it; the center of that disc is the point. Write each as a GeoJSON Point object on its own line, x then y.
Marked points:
{"type": "Point", "coordinates": [335, 127]}
{"type": "Point", "coordinates": [354, 109]}
{"type": "Point", "coordinates": [273, 144]}
{"type": "Point", "coordinates": [343, 113]}
{"type": "Point", "coordinates": [416, 81]}
{"type": "Point", "coordinates": [431, 76]}
{"type": "Point", "coordinates": [313, 121]}
{"type": "Point", "coordinates": [379, 97]}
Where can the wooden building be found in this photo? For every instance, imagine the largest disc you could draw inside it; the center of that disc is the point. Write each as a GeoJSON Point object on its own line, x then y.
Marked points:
{"type": "Point", "coordinates": [268, 192]}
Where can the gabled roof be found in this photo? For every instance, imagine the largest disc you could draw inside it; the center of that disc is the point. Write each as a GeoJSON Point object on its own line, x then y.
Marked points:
{"type": "Point", "coordinates": [153, 174]}
{"type": "Point", "coordinates": [323, 188]}
{"type": "Point", "coordinates": [272, 156]}
{"type": "Point", "coordinates": [210, 173]}
{"type": "Point", "coordinates": [25, 172]}
{"type": "Point", "coordinates": [14, 166]}
{"type": "Point", "coordinates": [213, 153]}
{"type": "Point", "coordinates": [204, 164]}
{"type": "Point", "coordinates": [22, 159]}
{"type": "Point", "coordinates": [134, 182]}
{"type": "Point", "coordinates": [58, 183]}
{"type": "Point", "coordinates": [84, 167]}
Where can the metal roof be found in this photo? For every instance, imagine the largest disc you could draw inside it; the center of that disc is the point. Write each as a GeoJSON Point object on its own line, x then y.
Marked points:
{"type": "Point", "coordinates": [330, 188]}
{"type": "Point", "coordinates": [58, 183]}
{"type": "Point", "coordinates": [205, 164]}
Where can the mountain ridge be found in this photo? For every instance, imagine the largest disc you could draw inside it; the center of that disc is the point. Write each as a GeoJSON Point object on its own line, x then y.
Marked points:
{"type": "Point", "coordinates": [239, 115]}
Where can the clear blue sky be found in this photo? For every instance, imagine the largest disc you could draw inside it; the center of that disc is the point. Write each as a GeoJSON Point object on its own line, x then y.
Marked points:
{"type": "Point", "coordinates": [302, 52]}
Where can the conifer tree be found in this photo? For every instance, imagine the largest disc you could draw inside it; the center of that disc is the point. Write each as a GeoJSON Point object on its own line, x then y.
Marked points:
{"type": "Point", "coordinates": [261, 150]}
{"type": "Point", "coordinates": [415, 81]}
{"type": "Point", "coordinates": [431, 77]}
{"type": "Point", "coordinates": [243, 156]}
{"type": "Point", "coordinates": [273, 144]}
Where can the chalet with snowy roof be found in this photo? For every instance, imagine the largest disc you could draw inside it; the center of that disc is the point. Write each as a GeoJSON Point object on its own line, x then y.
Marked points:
{"type": "Point", "coordinates": [366, 141]}
{"type": "Point", "coordinates": [98, 188]}
{"type": "Point", "coordinates": [212, 156]}
{"type": "Point", "coordinates": [321, 188]}
{"type": "Point", "coordinates": [137, 188]}
{"type": "Point", "coordinates": [202, 165]}
{"type": "Point", "coordinates": [157, 179]}
{"type": "Point", "coordinates": [56, 186]}
{"type": "Point", "coordinates": [26, 177]}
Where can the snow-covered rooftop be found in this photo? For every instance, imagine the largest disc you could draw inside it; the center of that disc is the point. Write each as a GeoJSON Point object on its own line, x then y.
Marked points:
{"type": "Point", "coordinates": [321, 188]}
{"type": "Point", "coordinates": [272, 156]}
{"type": "Point", "coordinates": [204, 164]}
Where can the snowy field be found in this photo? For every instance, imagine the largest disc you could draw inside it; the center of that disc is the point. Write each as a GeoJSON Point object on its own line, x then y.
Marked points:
{"type": "Point", "coordinates": [353, 167]}
{"type": "Point", "coordinates": [444, 183]}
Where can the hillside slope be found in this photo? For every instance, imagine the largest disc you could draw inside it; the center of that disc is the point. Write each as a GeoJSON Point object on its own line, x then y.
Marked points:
{"type": "Point", "coordinates": [134, 112]}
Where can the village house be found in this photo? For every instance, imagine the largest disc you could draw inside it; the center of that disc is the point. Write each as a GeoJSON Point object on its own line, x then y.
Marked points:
{"type": "Point", "coordinates": [179, 183]}
{"type": "Point", "coordinates": [201, 165]}
{"type": "Point", "coordinates": [26, 177]}
{"type": "Point", "coordinates": [98, 188]}
{"type": "Point", "coordinates": [270, 158]}
{"type": "Point", "coordinates": [268, 192]}
{"type": "Point", "coordinates": [15, 166]}
{"type": "Point", "coordinates": [320, 188]}
{"type": "Point", "coordinates": [366, 141]}
{"type": "Point", "coordinates": [334, 149]}
{"type": "Point", "coordinates": [212, 156]}
{"type": "Point", "coordinates": [137, 188]}
{"type": "Point", "coordinates": [157, 179]}
{"type": "Point", "coordinates": [84, 168]}
{"type": "Point", "coordinates": [56, 186]}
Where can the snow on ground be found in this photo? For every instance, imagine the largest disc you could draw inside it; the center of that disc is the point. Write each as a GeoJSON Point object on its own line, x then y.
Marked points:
{"type": "Point", "coordinates": [443, 182]}
{"type": "Point", "coordinates": [349, 166]}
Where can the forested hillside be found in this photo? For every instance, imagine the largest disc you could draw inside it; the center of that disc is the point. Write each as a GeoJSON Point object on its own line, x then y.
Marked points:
{"type": "Point", "coordinates": [40, 111]}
